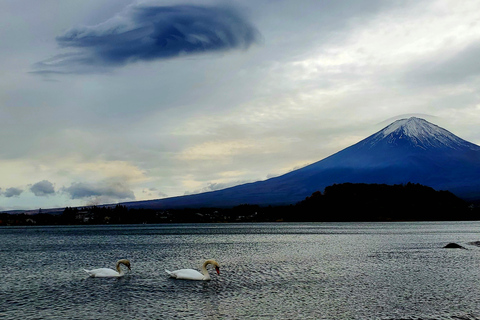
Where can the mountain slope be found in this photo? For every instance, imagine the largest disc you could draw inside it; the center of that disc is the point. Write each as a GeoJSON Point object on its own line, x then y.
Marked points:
{"type": "Point", "coordinates": [408, 150]}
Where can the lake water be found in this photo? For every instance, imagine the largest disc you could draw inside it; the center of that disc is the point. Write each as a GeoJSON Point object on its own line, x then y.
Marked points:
{"type": "Point", "coordinates": [268, 271]}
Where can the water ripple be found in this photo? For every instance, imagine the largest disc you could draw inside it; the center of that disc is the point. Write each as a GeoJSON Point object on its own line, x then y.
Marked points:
{"type": "Point", "coordinates": [268, 271]}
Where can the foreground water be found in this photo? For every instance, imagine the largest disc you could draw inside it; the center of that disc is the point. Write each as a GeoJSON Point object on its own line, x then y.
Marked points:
{"type": "Point", "coordinates": [268, 271]}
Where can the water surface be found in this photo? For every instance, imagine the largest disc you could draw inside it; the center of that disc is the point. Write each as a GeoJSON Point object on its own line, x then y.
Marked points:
{"type": "Point", "coordinates": [268, 271]}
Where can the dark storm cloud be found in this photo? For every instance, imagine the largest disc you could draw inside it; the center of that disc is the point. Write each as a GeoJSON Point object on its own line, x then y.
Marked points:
{"type": "Point", "coordinates": [146, 33]}
{"type": "Point", "coordinates": [12, 192]}
{"type": "Point", "coordinates": [43, 188]}
{"type": "Point", "coordinates": [79, 190]}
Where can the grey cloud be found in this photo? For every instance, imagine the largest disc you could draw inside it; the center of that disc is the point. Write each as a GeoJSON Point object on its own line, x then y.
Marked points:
{"type": "Point", "coordinates": [79, 190]}
{"type": "Point", "coordinates": [445, 71]}
{"type": "Point", "coordinates": [43, 188]}
{"type": "Point", "coordinates": [146, 33]}
{"type": "Point", "coordinates": [12, 192]}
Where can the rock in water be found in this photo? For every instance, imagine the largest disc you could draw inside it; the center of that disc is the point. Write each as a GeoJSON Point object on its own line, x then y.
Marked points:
{"type": "Point", "coordinates": [453, 246]}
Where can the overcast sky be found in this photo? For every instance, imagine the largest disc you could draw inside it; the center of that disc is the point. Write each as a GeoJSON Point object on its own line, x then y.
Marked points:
{"type": "Point", "coordinates": [105, 101]}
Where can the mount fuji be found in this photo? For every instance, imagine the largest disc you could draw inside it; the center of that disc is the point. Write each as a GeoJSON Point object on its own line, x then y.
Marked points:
{"type": "Point", "coordinates": [408, 150]}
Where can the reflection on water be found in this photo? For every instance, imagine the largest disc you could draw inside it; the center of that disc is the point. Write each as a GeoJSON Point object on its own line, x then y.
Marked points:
{"type": "Point", "coordinates": [268, 271]}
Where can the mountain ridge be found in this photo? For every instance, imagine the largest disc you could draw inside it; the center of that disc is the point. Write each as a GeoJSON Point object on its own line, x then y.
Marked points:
{"type": "Point", "coordinates": [408, 150]}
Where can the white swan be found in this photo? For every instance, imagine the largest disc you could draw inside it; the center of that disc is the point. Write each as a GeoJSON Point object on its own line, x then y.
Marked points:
{"type": "Point", "coordinates": [190, 274]}
{"type": "Point", "coordinates": [109, 273]}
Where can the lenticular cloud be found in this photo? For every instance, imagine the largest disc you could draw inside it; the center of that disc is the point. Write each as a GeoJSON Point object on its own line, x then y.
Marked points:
{"type": "Point", "coordinates": [146, 33]}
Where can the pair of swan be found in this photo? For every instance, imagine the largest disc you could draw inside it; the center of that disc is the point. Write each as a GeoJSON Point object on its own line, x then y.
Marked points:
{"type": "Point", "coordinates": [184, 274]}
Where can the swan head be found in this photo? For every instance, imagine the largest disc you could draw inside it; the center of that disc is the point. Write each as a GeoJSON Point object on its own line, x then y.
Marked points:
{"type": "Point", "coordinates": [214, 263]}
{"type": "Point", "coordinates": [125, 262]}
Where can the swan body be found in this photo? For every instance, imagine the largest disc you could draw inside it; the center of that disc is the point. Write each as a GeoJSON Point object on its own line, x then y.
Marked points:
{"type": "Point", "coordinates": [190, 274]}
{"type": "Point", "coordinates": [109, 273]}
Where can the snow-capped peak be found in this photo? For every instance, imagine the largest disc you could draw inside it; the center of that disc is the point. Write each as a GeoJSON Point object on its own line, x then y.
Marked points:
{"type": "Point", "coordinates": [422, 134]}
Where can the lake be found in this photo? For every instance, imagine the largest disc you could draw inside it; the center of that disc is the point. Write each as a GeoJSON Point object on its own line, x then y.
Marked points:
{"type": "Point", "coordinates": [396, 270]}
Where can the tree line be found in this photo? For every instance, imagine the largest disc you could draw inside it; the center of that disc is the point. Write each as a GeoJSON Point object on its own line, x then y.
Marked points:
{"type": "Point", "coordinates": [339, 202]}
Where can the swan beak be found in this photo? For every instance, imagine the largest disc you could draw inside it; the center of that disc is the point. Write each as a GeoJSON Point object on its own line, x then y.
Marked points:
{"type": "Point", "coordinates": [218, 270]}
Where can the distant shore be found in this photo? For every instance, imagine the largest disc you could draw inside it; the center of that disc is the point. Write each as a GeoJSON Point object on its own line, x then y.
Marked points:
{"type": "Point", "coordinates": [340, 203]}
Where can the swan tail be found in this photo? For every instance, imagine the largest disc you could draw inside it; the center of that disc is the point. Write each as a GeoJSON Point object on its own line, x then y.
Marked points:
{"type": "Point", "coordinates": [171, 274]}
{"type": "Point", "coordinates": [88, 271]}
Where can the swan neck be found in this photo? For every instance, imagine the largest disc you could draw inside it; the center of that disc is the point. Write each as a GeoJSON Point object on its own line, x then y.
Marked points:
{"type": "Point", "coordinates": [125, 262]}
{"type": "Point", "coordinates": [204, 268]}
{"type": "Point", "coordinates": [206, 275]}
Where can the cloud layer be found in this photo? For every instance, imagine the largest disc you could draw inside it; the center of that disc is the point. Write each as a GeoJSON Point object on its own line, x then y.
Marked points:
{"type": "Point", "coordinates": [167, 97]}
{"type": "Point", "coordinates": [107, 190]}
{"type": "Point", "coordinates": [145, 33]}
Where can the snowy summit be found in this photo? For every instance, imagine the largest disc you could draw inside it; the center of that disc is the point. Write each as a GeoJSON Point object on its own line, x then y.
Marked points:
{"type": "Point", "coordinates": [422, 134]}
